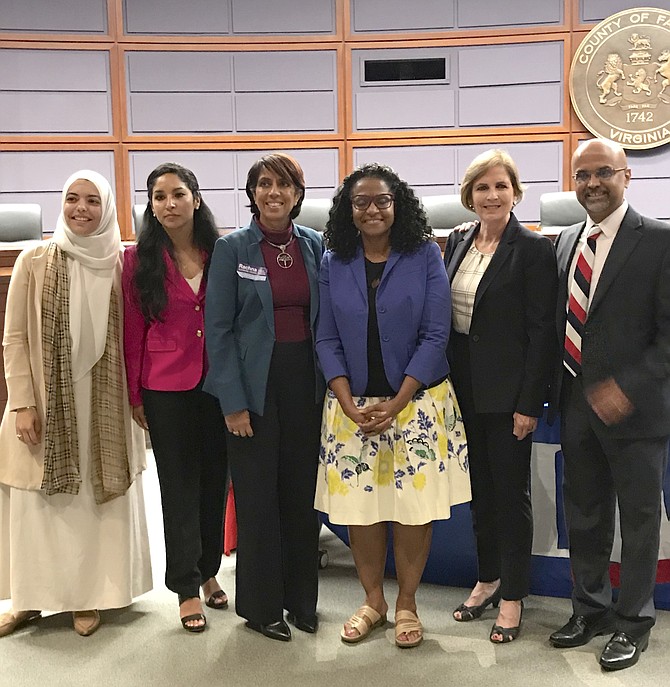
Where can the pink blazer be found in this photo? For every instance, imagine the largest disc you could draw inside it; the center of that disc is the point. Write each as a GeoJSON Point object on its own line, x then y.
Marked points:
{"type": "Point", "coordinates": [168, 355]}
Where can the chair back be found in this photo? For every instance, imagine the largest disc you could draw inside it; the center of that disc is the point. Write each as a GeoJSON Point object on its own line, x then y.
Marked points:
{"type": "Point", "coordinates": [560, 210]}
{"type": "Point", "coordinates": [20, 222]}
{"type": "Point", "coordinates": [138, 218]}
{"type": "Point", "coordinates": [314, 213]}
{"type": "Point", "coordinates": [446, 212]}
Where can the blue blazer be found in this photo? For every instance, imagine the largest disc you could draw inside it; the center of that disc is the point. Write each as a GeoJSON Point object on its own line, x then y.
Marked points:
{"type": "Point", "coordinates": [239, 318]}
{"type": "Point", "coordinates": [413, 315]}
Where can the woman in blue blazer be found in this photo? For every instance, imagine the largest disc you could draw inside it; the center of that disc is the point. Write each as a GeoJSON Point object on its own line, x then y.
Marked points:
{"type": "Point", "coordinates": [503, 281]}
{"type": "Point", "coordinates": [262, 304]}
{"type": "Point", "coordinates": [392, 445]}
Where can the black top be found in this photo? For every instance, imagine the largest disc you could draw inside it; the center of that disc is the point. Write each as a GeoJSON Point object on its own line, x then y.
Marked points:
{"type": "Point", "coordinates": [378, 385]}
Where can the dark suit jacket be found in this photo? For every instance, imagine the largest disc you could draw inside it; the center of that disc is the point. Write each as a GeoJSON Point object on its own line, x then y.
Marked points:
{"type": "Point", "coordinates": [627, 330]}
{"type": "Point", "coordinates": [512, 341]}
{"type": "Point", "coordinates": [239, 322]}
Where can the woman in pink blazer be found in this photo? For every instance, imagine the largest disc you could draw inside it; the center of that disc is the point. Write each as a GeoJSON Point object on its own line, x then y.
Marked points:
{"type": "Point", "coordinates": [164, 280]}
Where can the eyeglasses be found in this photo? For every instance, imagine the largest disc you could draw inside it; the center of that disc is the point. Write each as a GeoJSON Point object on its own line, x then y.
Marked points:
{"type": "Point", "coordinates": [382, 201]}
{"type": "Point", "coordinates": [602, 173]}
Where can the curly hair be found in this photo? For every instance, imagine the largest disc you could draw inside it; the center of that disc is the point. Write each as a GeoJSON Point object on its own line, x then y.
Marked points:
{"type": "Point", "coordinates": [151, 270]}
{"type": "Point", "coordinates": [408, 231]}
{"type": "Point", "coordinates": [285, 167]}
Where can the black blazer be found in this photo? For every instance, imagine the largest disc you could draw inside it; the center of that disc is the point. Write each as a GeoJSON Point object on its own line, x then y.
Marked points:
{"type": "Point", "coordinates": [627, 330]}
{"type": "Point", "coordinates": [512, 338]}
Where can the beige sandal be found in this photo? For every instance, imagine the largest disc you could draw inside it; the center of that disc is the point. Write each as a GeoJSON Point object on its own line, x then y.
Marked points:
{"type": "Point", "coordinates": [364, 621]}
{"type": "Point", "coordinates": [14, 620]}
{"type": "Point", "coordinates": [85, 623]}
{"type": "Point", "coordinates": [406, 622]}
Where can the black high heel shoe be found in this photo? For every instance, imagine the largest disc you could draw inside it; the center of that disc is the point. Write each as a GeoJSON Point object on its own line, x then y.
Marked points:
{"type": "Point", "coordinates": [279, 630]}
{"type": "Point", "coordinates": [473, 612]}
{"type": "Point", "coordinates": [194, 617]}
{"type": "Point", "coordinates": [507, 633]}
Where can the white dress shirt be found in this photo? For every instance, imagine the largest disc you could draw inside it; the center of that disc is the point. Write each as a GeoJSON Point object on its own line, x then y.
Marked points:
{"type": "Point", "coordinates": [609, 227]}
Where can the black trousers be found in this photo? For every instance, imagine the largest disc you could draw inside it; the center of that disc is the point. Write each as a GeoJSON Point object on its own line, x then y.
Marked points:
{"type": "Point", "coordinates": [601, 469]}
{"type": "Point", "coordinates": [501, 508]}
{"type": "Point", "coordinates": [274, 477]}
{"type": "Point", "coordinates": [188, 438]}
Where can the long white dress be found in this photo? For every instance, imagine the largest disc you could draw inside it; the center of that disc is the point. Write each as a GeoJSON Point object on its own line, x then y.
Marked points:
{"type": "Point", "coordinates": [65, 552]}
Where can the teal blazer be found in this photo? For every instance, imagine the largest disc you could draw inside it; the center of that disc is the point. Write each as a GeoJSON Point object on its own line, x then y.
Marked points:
{"type": "Point", "coordinates": [239, 317]}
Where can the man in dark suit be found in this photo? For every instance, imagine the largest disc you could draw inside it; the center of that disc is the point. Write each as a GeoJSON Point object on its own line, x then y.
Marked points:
{"type": "Point", "coordinates": [614, 391]}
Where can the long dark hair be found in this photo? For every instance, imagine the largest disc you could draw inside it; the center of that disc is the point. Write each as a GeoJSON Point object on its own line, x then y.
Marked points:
{"type": "Point", "coordinates": [153, 240]}
{"type": "Point", "coordinates": [409, 230]}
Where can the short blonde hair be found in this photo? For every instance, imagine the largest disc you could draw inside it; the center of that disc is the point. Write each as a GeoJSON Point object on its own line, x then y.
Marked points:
{"type": "Point", "coordinates": [482, 164]}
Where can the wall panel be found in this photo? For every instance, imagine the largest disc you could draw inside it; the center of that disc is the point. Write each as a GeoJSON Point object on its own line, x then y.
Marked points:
{"type": "Point", "coordinates": [514, 64]}
{"type": "Point", "coordinates": [284, 71]}
{"type": "Point", "coordinates": [432, 108]}
{"type": "Point", "coordinates": [231, 92]}
{"type": "Point", "coordinates": [650, 182]}
{"type": "Point", "coordinates": [70, 16]}
{"type": "Point", "coordinates": [369, 16]}
{"type": "Point", "coordinates": [177, 17]}
{"type": "Point", "coordinates": [426, 15]}
{"type": "Point", "coordinates": [285, 17]}
{"type": "Point", "coordinates": [55, 91]}
{"type": "Point", "coordinates": [291, 112]}
{"type": "Point", "coordinates": [594, 11]}
{"type": "Point", "coordinates": [229, 17]}
{"type": "Point", "coordinates": [480, 13]}
{"type": "Point", "coordinates": [176, 72]}
{"type": "Point", "coordinates": [518, 105]}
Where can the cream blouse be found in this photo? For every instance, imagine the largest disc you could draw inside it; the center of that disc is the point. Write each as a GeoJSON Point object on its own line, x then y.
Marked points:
{"type": "Point", "coordinates": [464, 287]}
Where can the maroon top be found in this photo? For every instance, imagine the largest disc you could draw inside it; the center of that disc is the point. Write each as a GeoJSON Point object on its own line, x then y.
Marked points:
{"type": "Point", "coordinates": [290, 286]}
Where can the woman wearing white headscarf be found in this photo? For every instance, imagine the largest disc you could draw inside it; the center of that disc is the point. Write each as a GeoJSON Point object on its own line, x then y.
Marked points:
{"type": "Point", "coordinates": [72, 530]}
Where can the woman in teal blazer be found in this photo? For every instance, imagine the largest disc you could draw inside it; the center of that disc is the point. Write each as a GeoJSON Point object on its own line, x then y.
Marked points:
{"type": "Point", "coordinates": [262, 304]}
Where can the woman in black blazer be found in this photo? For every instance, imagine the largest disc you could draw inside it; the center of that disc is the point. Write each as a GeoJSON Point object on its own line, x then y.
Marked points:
{"type": "Point", "coordinates": [503, 280]}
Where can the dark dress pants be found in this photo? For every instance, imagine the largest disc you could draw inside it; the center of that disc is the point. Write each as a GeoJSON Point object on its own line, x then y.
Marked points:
{"type": "Point", "coordinates": [501, 508]}
{"type": "Point", "coordinates": [188, 438]}
{"type": "Point", "coordinates": [274, 477]}
{"type": "Point", "coordinates": [601, 469]}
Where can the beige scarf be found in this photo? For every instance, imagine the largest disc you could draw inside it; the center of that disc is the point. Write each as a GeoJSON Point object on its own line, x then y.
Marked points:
{"type": "Point", "coordinates": [108, 449]}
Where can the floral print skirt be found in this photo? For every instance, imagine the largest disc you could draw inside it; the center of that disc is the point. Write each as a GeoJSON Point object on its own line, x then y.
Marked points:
{"type": "Point", "coordinates": [412, 473]}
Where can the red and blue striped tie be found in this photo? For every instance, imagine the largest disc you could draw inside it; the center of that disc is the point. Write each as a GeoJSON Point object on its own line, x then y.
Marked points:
{"type": "Point", "coordinates": [578, 305]}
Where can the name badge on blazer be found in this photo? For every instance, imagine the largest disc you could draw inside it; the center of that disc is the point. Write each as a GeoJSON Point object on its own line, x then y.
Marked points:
{"type": "Point", "coordinates": [250, 272]}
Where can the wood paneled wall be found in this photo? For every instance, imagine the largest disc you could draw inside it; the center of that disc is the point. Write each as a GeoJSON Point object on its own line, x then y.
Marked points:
{"type": "Point", "coordinates": [120, 32]}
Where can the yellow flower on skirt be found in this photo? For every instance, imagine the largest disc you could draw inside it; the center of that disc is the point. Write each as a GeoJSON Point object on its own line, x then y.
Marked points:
{"type": "Point", "coordinates": [343, 426]}
{"type": "Point", "coordinates": [382, 472]}
{"type": "Point", "coordinates": [335, 483]}
{"type": "Point", "coordinates": [419, 481]}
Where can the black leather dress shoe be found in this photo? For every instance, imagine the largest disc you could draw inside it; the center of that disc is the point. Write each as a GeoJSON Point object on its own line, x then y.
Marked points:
{"type": "Point", "coordinates": [623, 651]}
{"type": "Point", "coordinates": [310, 625]}
{"type": "Point", "coordinates": [580, 630]}
{"type": "Point", "coordinates": [279, 630]}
